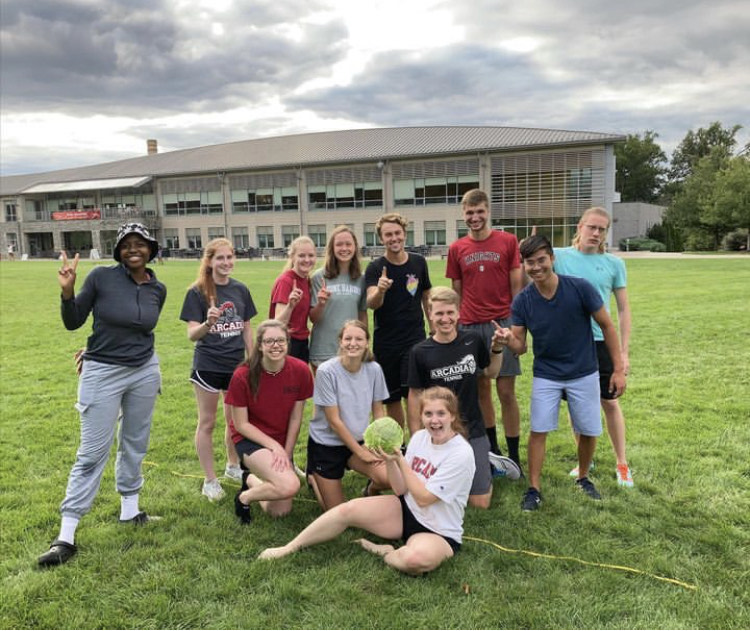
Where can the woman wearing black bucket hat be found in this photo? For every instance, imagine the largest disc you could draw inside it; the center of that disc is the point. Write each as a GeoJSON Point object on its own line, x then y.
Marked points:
{"type": "Point", "coordinates": [120, 378]}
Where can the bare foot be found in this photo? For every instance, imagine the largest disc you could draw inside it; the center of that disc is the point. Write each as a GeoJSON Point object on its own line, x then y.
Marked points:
{"type": "Point", "coordinates": [379, 549]}
{"type": "Point", "coordinates": [273, 553]}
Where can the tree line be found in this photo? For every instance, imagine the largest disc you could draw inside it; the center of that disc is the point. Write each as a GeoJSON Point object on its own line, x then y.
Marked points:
{"type": "Point", "coordinates": [705, 186]}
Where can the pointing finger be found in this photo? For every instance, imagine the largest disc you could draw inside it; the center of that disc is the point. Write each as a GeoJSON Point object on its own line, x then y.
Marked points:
{"type": "Point", "coordinates": [294, 285]}
{"type": "Point", "coordinates": [497, 326]}
{"type": "Point", "coordinates": [212, 302]}
{"type": "Point", "coordinates": [76, 258]}
{"type": "Point", "coordinates": [384, 273]}
{"type": "Point", "coordinates": [64, 258]}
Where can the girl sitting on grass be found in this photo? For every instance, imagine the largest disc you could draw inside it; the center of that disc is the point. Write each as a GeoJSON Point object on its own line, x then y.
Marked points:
{"type": "Point", "coordinates": [432, 488]}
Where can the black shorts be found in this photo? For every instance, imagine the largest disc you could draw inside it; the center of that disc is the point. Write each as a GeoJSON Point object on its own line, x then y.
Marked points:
{"type": "Point", "coordinates": [411, 526]}
{"type": "Point", "coordinates": [246, 447]}
{"type": "Point", "coordinates": [327, 461]}
{"type": "Point", "coordinates": [606, 368]}
{"type": "Point", "coordinates": [395, 365]}
{"type": "Point", "coordinates": [300, 349]}
{"type": "Point", "coordinates": [211, 381]}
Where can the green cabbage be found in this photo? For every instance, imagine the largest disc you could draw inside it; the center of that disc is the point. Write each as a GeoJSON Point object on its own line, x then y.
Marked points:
{"type": "Point", "coordinates": [384, 433]}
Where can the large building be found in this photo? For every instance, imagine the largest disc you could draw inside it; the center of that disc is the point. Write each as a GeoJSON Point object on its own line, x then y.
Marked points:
{"type": "Point", "coordinates": [263, 193]}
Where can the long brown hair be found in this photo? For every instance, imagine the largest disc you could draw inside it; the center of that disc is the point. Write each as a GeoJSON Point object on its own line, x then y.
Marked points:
{"type": "Point", "coordinates": [331, 265]}
{"type": "Point", "coordinates": [205, 281]}
{"type": "Point", "coordinates": [439, 393]}
{"type": "Point", "coordinates": [253, 362]}
{"type": "Point", "coordinates": [595, 210]}
{"type": "Point", "coordinates": [357, 324]}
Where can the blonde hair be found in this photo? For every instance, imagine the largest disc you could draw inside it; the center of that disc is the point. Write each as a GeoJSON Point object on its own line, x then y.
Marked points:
{"type": "Point", "coordinates": [594, 210]}
{"type": "Point", "coordinates": [439, 393]}
{"type": "Point", "coordinates": [367, 354]}
{"type": "Point", "coordinates": [331, 265]}
{"type": "Point", "coordinates": [294, 246]}
{"type": "Point", "coordinates": [205, 281]}
{"type": "Point", "coordinates": [444, 294]}
{"type": "Point", "coordinates": [390, 218]}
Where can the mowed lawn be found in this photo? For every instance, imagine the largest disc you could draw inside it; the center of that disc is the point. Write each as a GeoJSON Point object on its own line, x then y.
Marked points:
{"type": "Point", "coordinates": [573, 564]}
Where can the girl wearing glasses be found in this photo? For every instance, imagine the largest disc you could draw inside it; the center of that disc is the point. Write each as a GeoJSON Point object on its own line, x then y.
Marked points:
{"type": "Point", "coordinates": [338, 294]}
{"type": "Point", "coordinates": [266, 396]}
{"type": "Point", "coordinates": [217, 310]}
{"type": "Point", "coordinates": [348, 388]}
{"type": "Point", "coordinates": [290, 296]}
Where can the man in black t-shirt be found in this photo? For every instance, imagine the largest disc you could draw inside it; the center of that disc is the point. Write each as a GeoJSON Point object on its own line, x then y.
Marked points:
{"type": "Point", "coordinates": [456, 360]}
{"type": "Point", "coordinates": [398, 287]}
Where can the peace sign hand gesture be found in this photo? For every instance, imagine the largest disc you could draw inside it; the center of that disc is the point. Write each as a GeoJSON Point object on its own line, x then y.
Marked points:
{"type": "Point", "coordinates": [66, 275]}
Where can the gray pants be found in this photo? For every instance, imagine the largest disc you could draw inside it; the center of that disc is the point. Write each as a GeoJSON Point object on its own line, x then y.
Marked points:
{"type": "Point", "coordinates": [107, 392]}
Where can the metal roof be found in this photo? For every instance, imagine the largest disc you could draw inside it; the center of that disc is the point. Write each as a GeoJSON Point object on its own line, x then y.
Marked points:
{"type": "Point", "coordinates": [319, 148]}
{"type": "Point", "coordinates": [87, 185]}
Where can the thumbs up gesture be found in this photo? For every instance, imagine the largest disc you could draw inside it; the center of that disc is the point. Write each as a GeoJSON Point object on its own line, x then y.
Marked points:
{"type": "Point", "coordinates": [384, 283]}
{"type": "Point", "coordinates": [214, 312]}
{"type": "Point", "coordinates": [323, 293]}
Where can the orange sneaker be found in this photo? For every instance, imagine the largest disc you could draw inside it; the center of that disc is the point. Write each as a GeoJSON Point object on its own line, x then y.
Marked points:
{"type": "Point", "coordinates": [623, 476]}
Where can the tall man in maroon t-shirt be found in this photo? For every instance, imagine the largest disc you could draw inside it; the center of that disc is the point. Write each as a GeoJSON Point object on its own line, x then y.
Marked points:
{"type": "Point", "coordinates": [485, 269]}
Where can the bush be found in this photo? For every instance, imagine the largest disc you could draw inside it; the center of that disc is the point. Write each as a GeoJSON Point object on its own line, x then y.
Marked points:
{"type": "Point", "coordinates": [643, 244]}
{"type": "Point", "coordinates": [700, 240]}
{"type": "Point", "coordinates": [735, 240]}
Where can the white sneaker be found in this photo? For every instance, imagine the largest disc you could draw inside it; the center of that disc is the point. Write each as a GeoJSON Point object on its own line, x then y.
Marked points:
{"type": "Point", "coordinates": [233, 472]}
{"type": "Point", "coordinates": [212, 490]}
{"type": "Point", "coordinates": [574, 471]}
{"type": "Point", "coordinates": [505, 467]}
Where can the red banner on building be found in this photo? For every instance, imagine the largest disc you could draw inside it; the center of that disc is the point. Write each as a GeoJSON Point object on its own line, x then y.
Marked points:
{"type": "Point", "coordinates": [67, 215]}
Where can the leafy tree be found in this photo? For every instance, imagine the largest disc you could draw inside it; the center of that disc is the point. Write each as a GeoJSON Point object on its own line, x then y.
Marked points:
{"type": "Point", "coordinates": [731, 199]}
{"type": "Point", "coordinates": [699, 144]}
{"type": "Point", "coordinates": [641, 168]}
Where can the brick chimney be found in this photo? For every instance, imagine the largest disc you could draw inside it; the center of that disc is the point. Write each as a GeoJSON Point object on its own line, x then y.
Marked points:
{"type": "Point", "coordinates": [152, 146]}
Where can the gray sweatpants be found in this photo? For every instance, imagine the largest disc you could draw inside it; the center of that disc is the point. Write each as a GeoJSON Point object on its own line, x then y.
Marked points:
{"type": "Point", "coordinates": [107, 392]}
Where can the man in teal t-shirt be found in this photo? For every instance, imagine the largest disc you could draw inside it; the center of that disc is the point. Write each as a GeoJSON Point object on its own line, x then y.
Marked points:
{"type": "Point", "coordinates": [588, 259]}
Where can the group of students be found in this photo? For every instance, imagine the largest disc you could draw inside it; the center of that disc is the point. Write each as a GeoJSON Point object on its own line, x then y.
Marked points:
{"type": "Point", "coordinates": [444, 379]}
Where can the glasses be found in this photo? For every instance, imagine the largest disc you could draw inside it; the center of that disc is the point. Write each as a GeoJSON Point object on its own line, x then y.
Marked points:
{"type": "Point", "coordinates": [274, 341]}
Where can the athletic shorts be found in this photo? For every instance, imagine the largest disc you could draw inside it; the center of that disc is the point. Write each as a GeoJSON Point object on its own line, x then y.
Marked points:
{"type": "Point", "coordinates": [300, 349]}
{"type": "Point", "coordinates": [410, 526]}
{"type": "Point", "coordinates": [328, 461]}
{"type": "Point", "coordinates": [511, 364]}
{"type": "Point", "coordinates": [583, 404]}
{"type": "Point", "coordinates": [211, 381]}
{"type": "Point", "coordinates": [395, 365]}
{"type": "Point", "coordinates": [482, 482]}
{"type": "Point", "coordinates": [606, 368]}
{"type": "Point", "coordinates": [246, 447]}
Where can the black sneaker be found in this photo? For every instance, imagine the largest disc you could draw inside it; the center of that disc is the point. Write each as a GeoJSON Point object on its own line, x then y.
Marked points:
{"type": "Point", "coordinates": [532, 499]}
{"type": "Point", "coordinates": [587, 486]}
{"type": "Point", "coordinates": [59, 552]}
{"type": "Point", "coordinates": [242, 510]}
{"type": "Point", "coordinates": [141, 519]}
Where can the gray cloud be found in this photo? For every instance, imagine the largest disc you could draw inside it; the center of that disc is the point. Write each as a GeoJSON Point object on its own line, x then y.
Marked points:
{"type": "Point", "coordinates": [668, 66]}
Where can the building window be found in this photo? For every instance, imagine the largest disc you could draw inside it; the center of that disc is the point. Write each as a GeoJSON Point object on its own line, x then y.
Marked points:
{"type": "Point", "coordinates": [335, 196]}
{"type": "Point", "coordinates": [433, 190]}
{"type": "Point", "coordinates": [240, 238]}
{"type": "Point", "coordinates": [182, 203]}
{"type": "Point", "coordinates": [371, 237]}
{"type": "Point", "coordinates": [171, 238]}
{"type": "Point", "coordinates": [215, 233]}
{"type": "Point", "coordinates": [10, 212]}
{"type": "Point", "coordinates": [289, 234]}
{"type": "Point", "coordinates": [461, 228]}
{"type": "Point", "coordinates": [193, 236]}
{"type": "Point", "coordinates": [434, 233]}
{"type": "Point", "coordinates": [318, 234]}
{"type": "Point", "coordinates": [265, 236]}
{"type": "Point", "coordinates": [265, 199]}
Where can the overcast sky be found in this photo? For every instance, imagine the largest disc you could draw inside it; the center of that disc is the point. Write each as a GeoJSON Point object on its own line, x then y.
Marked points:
{"type": "Point", "coordinates": [88, 81]}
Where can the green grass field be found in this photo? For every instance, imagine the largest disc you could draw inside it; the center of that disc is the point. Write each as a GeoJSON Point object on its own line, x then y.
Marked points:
{"type": "Point", "coordinates": [594, 565]}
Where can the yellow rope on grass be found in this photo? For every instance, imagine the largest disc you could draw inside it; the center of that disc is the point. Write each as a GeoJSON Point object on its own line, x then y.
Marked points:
{"type": "Point", "coordinates": [607, 566]}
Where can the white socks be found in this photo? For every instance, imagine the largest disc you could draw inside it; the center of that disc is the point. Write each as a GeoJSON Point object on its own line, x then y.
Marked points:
{"type": "Point", "coordinates": [68, 529]}
{"type": "Point", "coordinates": [128, 506]}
